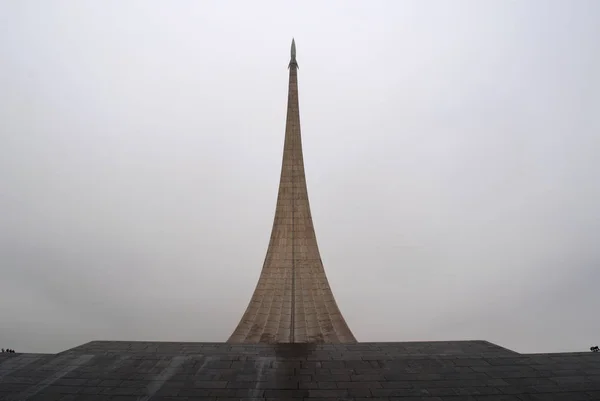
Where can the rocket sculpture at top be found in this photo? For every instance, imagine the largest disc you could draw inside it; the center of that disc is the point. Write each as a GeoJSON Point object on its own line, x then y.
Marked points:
{"type": "Point", "coordinates": [293, 62]}
{"type": "Point", "coordinates": [292, 302]}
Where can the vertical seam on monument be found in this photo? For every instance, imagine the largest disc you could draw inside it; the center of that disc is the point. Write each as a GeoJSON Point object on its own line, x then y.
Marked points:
{"type": "Point", "coordinates": [293, 196]}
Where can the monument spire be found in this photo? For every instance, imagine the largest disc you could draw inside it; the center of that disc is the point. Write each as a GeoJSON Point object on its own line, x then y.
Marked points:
{"type": "Point", "coordinates": [292, 302]}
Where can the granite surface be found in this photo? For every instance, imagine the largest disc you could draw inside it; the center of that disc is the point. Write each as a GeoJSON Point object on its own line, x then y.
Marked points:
{"type": "Point", "coordinates": [434, 371]}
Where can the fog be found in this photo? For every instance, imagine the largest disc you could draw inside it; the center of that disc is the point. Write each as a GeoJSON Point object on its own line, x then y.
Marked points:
{"type": "Point", "coordinates": [450, 152]}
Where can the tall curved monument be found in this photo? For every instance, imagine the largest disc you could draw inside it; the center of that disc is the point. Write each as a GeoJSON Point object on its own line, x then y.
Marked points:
{"type": "Point", "coordinates": [292, 302]}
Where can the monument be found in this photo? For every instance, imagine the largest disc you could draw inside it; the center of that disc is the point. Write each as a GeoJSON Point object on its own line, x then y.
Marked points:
{"type": "Point", "coordinates": [292, 302]}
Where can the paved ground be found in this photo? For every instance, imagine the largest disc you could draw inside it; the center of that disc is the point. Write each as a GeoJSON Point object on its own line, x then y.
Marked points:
{"type": "Point", "coordinates": [434, 371]}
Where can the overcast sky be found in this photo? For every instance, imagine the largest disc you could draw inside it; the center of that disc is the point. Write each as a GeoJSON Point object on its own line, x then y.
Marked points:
{"type": "Point", "coordinates": [450, 151]}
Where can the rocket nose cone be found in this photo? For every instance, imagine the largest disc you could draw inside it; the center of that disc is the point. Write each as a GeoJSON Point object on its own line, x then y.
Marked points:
{"type": "Point", "coordinates": [293, 48]}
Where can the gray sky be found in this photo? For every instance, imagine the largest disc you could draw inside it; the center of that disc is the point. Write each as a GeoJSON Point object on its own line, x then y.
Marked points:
{"type": "Point", "coordinates": [450, 151]}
